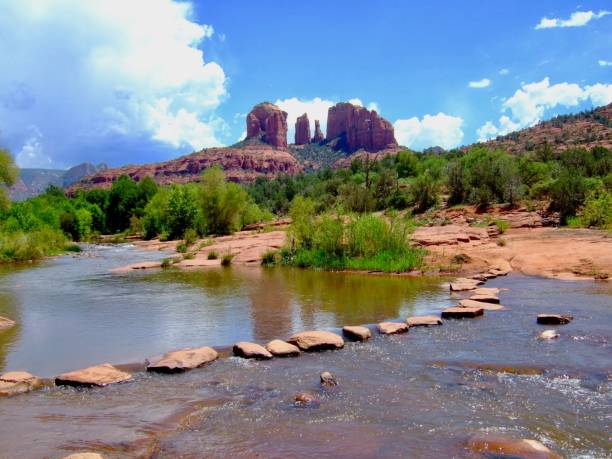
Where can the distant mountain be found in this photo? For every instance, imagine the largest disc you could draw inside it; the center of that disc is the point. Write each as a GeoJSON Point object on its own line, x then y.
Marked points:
{"type": "Point", "coordinates": [32, 182]}
{"type": "Point", "coordinates": [585, 129]}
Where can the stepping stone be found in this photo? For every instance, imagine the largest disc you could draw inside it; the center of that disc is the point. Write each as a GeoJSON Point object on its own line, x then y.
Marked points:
{"type": "Point", "coordinates": [462, 313]}
{"type": "Point", "coordinates": [486, 298]}
{"type": "Point", "coordinates": [549, 334]}
{"type": "Point", "coordinates": [392, 328]}
{"type": "Point", "coordinates": [281, 348]}
{"type": "Point", "coordinates": [312, 341]}
{"type": "Point", "coordinates": [506, 447]}
{"type": "Point", "coordinates": [96, 376]}
{"type": "Point", "coordinates": [487, 291]}
{"type": "Point", "coordinates": [6, 323]}
{"type": "Point", "coordinates": [251, 351]}
{"type": "Point", "coordinates": [423, 321]}
{"type": "Point", "coordinates": [183, 360]}
{"type": "Point", "coordinates": [18, 382]}
{"type": "Point", "coordinates": [462, 284]}
{"type": "Point", "coordinates": [554, 319]}
{"type": "Point", "coordinates": [306, 400]}
{"type": "Point", "coordinates": [357, 332]}
{"type": "Point", "coordinates": [480, 304]}
{"type": "Point", "coordinates": [84, 456]}
{"type": "Point", "coordinates": [327, 379]}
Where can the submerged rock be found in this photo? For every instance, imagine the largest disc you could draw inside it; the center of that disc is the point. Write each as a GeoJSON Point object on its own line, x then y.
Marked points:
{"type": "Point", "coordinates": [183, 360]}
{"type": "Point", "coordinates": [306, 400]}
{"type": "Point", "coordinates": [251, 351]}
{"type": "Point", "coordinates": [462, 313]}
{"type": "Point", "coordinates": [554, 319]}
{"type": "Point", "coordinates": [357, 332]}
{"type": "Point", "coordinates": [6, 323]}
{"type": "Point", "coordinates": [311, 341]}
{"type": "Point", "coordinates": [479, 304]}
{"type": "Point", "coordinates": [96, 376]}
{"type": "Point", "coordinates": [18, 382]}
{"type": "Point", "coordinates": [549, 334]}
{"type": "Point", "coordinates": [423, 321]}
{"type": "Point", "coordinates": [506, 447]}
{"type": "Point", "coordinates": [281, 348]}
{"type": "Point", "coordinates": [392, 328]}
{"type": "Point", "coordinates": [328, 380]}
{"type": "Point", "coordinates": [84, 456]}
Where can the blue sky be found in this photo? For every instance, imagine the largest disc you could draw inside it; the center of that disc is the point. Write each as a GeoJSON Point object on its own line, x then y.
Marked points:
{"type": "Point", "coordinates": [147, 80]}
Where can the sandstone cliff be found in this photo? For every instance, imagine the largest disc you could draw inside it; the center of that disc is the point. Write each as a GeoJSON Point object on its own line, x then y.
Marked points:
{"type": "Point", "coordinates": [302, 130]}
{"type": "Point", "coordinates": [268, 123]}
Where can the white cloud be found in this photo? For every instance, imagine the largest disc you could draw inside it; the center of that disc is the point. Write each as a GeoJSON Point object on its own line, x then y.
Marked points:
{"type": "Point", "coordinates": [504, 71]}
{"type": "Point", "coordinates": [121, 73]}
{"type": "Point", "coordinates": [480, 83]}
{"type": "Point", "coordinates": [432, 130]}
{"type": "Point", "coordinates": [529, 103]}
{"type": "Point", "coordinates": [577, 19]}
{"type": "Point", "coordinates": [32, 154]}
{"type": "Point", "coordinates": [604, 63]}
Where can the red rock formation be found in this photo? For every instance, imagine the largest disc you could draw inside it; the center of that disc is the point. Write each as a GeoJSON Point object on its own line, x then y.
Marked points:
{"type": "Point", "coordinates": [318, 135]}
{"type": "Point", "coordinates": [302, 130]}
{"type": "Point", "coordinates": [354, 128]}
{"type": "Point", "coordinates": [243, 164]}
{"type": "Point", "coordinates": [269, 123]}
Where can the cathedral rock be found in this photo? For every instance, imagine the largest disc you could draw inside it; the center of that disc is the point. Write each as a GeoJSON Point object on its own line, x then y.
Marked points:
{"type": "Point", "coordinates": [269, 123]}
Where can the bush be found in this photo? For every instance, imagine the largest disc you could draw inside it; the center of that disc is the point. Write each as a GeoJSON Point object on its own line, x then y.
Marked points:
{"type": "Point", "coordinates": [269, 258]}
{"type": "Point", "coordinates": [502, 225]}
{"type": "Point", "coordinates": [24, 246]}
{"type": "Point", "coordinates": [190, 236]}
{"type": "Point", "coordinates": [226, 260]}
{"type": "Point", "coordinates": [222, 203]}
{"type": "Point", "coordinates": [212, 255]}
{"type": "Point", "coordinates": [598, 210]}
{"type": "Point", "coordinates": [166, 262]}
{"type": "Point", "coordinates": [181, 247]}
{"type": "Point", "coordinates": [425, 192]}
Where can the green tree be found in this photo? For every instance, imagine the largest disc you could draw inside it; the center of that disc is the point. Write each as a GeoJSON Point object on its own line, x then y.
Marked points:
{"type": "Point", "coordinates": [222, 202]}
{"type": "Point", "coordinates": [182, 211]}
{"type": "Point", "coordinates": [8, 176]}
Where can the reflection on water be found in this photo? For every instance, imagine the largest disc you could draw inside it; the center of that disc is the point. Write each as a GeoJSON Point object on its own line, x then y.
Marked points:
{"type": "Point", "coordinates": [81, 314]}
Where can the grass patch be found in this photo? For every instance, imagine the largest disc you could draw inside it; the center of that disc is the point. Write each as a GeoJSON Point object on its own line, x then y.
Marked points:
{"type": "Point", "coordinates": [181, 248]}
{"type": "Point", "coordinates": [270, 258]}
{"type": "Point", "coordinates": [212, 255]}
{"type": "Point", "coordinates": [502, 225]}
{"type": "Point", "coordinates": [227, 259]}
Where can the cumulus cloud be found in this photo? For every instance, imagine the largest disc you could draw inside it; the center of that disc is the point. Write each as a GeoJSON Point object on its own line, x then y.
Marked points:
{"type": "Point", "coordinates": [529, 103]}
{"type": "Point", "coordinates": [480, 83]}
{"type": "Point", "coordinates": [92, 77]}
{"type": "Point", "coordinates": [432, 130]}
{"type": "Point", "coordinates": [604, 63]}
{"type": "Point", "coordinates": [577, 19]}
{"type": "Point", "coordinates": [315, 108]}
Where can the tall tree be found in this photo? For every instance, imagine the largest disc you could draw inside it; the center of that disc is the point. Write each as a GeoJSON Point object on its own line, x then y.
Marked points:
{"type": "Point", "coordinates": [8, 176]}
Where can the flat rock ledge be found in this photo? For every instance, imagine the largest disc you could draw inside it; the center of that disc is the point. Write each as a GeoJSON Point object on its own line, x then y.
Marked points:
{"type": "Point", "coordinates": [554, 319]}
{"type": "Point", "coordinates": [392, 328]}
{"type": "Point", "coordinates": [357, 332]}
{"type": "Point", "coordinates": [279, 348]}
{"type": "Point", "coordinates": [313, 341]}
{"type": "Point", "coordinates": [462, 313]}
{"type": "Point", "coordinates": [6, 323]}
{"type": "Point", "coordinates": [423, 321]}
{"type": "Point", "coordinates": [248, 350]}
{"type": "Point", "coordinates": [183, 360]}
{"type": "Point", "coordinates": [499, 446]}
{"type": "Point", "coordinates": [479, 304]}
{"type": "Point", "coordinates": [96, 376]}
{"type": "Point", "coordinates": [18, 382]}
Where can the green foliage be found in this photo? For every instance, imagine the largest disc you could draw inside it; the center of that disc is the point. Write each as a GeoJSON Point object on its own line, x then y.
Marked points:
{"type": "Point", "coordinates": [302, 215]}
{"type": "Point", "coordinates": [226, 260]}
{"type": "Point", "coordinates": [190, 236]}
{"type": "Point", "coordinates": [181, 247]}
{"type": "Point", "coordinates": [182, 211]}
{"type": "Point", "coordinates": [269, 258]}
{"type": "Point", "coordinates": [425, 191]}
{"type": "Point", "coordinates": [502, 225]}
{"type": "Point", "coordinates": [212, 255]}
{"type": "Point", "coordinates": [8, 176]}
{"type": "Point", "coordinates": [597, 210]}
{"type": "Point", "coordinates": [222, 202]}
{"type": "Point", "coordinates": [22, 246]}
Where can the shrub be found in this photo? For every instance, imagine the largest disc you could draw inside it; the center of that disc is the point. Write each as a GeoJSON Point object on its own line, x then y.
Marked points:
{"type": "Point", "coordinates": [190, 236]}
{"type": "Point", "coordinates": [181, 248]}
{"type": "Point", "coordinates": [269, 258]}
{"type": "Point", "coordinates": [302, 213]}
{"type": "Point", "coordinates": [24, 246]}
{"type": "Point", "coordinates": [597, 210]}
{"type": "Point", "coordinates": [189, 256]}
{"type": "Point", "coordinates": [502, 225]}
{"type": "Point", "coordinates": [226, 260]}
{"type": "Point", "coordinates": [425, 192]}
{"type": "Point", "coordinates": [212, 255]}
{"type": "Point", "coordinates": [166, 263]}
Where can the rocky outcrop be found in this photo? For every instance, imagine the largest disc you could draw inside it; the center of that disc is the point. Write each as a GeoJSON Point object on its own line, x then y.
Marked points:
{"type": "Point", "coordinates": [183, 360]}
{"type": "Point", "coordinates": [357, 332]}
{"type": "Point", "coordinates": [269, 123]}
{"type": "Point", "coordinates": [279, 348]}
{"type": "Point", "coordinates": [251, 351]}
{"type": "Point", "coordinates": [318, 134]}
{"type": "Point", "coordinates": [317, 341]}
{"type": "Point", "coordinates": [354, 128]}
{"type": "Point", "coordinates": [554, 319]}
{"type": "Point", "coordinates": [302, 130]}
{"type": "Point", "coordinates": [97, 376]}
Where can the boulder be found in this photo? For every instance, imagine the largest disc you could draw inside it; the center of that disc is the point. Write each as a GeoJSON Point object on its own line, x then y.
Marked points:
{"type": "Point", "coordinates": [269, 123]}
{"type": "Point", "coordinates": [480, 304]}
{"type": "Point", "coordinates": [506, 447]}
{"type": "Point", "coordinates": [462, 313]}
{"type": "Point", "coordinates": [356, 332]}
{"type": "Point", "coordinates": [6, 323]}
{"type": "Point", "coordinates": [251, 351]}
{"type": "Point", "coordinates": [549, 334]}
{"type": "Point", "coordinates": [18, 382]}
{"type": "Point", "coordinates": [96, 376]}
{"type": "Point", "coordinates": [423, 321]}
{"type": "Point", "coordinates": [392, 328]}
{"type": "Point", "coordinates": [280, 348]}
{"type": "Point", "coordinates": [183, 360]}
{"type": "Point", "coordinates": [312, 341]}
{"type": "Point", "coordinates": [328, 380]}
{"type": "Point", "coordinates": [318, 135]}
{"type": "Point", "coordinates": [306, 400]}
{"type": "Point", "coordinates": [485, 298]}
{"type": "Point", "coordinates": [302, 130]}
{"type": "Point", "coordinates": [84, 456]}
{"type": "Point", "coordinates": [554, 319]}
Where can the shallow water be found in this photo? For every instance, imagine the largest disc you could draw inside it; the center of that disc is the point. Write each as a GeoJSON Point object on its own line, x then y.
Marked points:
{"type": "Point", "coordinates": [416, 395]}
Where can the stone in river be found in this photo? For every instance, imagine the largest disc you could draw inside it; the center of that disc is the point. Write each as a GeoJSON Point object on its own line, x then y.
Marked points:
{"type": "Point", "coordinates": [328, 380]}
{"type": "Point", "coordinates": [281, 348]}
{"type": "Point", "coordinates": [506, 447]}
{"type": "Point", "coordinates": [554, 319]}
{"type": "Point", "coordinates": [306, 400]}
{"type": "Point", "coordinates": [251, 351]}
{"type": "Point", "coordinates": [96, 376]}
{"type": "Point", "coordinates": [357, 332]}
{"type": "Point", "coordinates": [317, 341]}
{"type": "Point", "coordinates": [463, 284]}
{"type": "Point", "coordinates": [487, 291]}
{"type": "Point", "coordinates": [392, 328]}
{"type": "Point", "coordinates": [6, 323]}
{"type": "Point", "coordinates": [18, 382]}
{"type": "Point", "coordinates": [423, 321]}
{"type": "Point", "coordinates": [479, 304]}
{"type": "Point", "coordinates": [462, 313]}
{"type": "Point", "coordinates": [485, 298]}
{"type": "Point", "coordinates": [549, 334]}
{"type": "Point", "coordinates": [183, 360]}
{"type": "Point", "coordinates": [84, 456]}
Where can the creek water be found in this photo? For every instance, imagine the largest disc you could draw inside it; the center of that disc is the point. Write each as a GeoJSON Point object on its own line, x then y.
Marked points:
{"type": "Point", "coordinates": [415, 395]}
